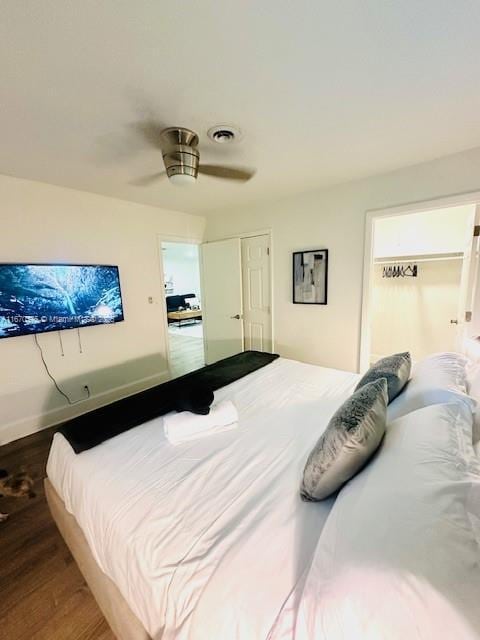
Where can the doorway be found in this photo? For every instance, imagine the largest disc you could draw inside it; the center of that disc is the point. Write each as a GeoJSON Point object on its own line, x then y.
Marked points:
{"type": "Point", "coordinates": [419, 290]}
{"type": "Point", "coordinates": [183, 299]}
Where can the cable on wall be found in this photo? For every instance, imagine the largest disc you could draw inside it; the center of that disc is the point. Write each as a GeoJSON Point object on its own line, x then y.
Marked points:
{"type": "Point", "coordinates": [61, 343]}
{"type": "Point", "coordinates": [80, 346]}
{"type": "Point", "coordinates": [71, 402]}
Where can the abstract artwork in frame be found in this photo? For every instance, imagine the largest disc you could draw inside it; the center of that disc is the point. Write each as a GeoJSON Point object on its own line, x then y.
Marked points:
{"type": "Point", "coordinates": [310, 275]}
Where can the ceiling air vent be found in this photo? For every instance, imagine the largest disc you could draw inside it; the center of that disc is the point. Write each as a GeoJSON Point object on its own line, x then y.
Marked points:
{"type": "Point", "coordinates": [224, 134]}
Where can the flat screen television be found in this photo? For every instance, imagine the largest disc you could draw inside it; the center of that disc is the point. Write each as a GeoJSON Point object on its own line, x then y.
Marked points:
{"type": "Point", "coordinates": [35, 298]}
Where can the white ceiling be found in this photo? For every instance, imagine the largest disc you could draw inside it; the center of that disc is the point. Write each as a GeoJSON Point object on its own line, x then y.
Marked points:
{"type": "Point", "coordinates": [324, 91]}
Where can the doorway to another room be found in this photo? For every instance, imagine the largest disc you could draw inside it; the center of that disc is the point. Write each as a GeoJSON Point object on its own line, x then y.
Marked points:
{"type": "Point", "coordinates": [183, 299]}
{"type": "Point", "coordinates": [420, 282]}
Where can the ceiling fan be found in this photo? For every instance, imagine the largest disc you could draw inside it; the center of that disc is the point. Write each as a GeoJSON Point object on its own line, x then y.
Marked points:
{"type": "Point", "coordinates": [182, 160]}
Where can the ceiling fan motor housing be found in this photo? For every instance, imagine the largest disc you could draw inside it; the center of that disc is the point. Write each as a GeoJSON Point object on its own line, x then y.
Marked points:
{"type": "Point", "coordinates": [179, 150]}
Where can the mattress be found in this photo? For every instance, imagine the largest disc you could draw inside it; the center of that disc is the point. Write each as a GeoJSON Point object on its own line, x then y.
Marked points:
{"type": "Point", "coordinates": [207, 539]}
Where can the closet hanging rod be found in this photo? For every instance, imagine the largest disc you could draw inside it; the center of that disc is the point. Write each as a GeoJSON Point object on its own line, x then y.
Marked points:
{"type": "Point", "coordinates": [433, 258]}
{"type": "Point", "coordinates": [400, 271]}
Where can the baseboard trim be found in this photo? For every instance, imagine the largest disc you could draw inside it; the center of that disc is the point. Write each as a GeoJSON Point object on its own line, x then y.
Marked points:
{"type": "Point", "coordinates": [33, 424]}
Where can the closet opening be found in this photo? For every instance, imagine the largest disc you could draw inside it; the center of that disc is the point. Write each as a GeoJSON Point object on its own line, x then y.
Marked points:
{"type": "Point", "coordinates": [420, 281]}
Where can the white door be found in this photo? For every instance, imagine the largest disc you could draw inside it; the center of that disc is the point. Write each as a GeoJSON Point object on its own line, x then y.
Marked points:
{"type": "Point", "coordinates": [468, 318]}
{"type": "Point", "coordinates": [222, 299]}
{"type": "Point", "coordinates": [257, 318]}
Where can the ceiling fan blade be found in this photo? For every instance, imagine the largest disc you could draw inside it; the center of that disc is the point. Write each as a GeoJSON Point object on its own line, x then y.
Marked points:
{"type": "Point", "coordinates": [228, 173]}
{"type": "Point", "coordinates": [146, 181]}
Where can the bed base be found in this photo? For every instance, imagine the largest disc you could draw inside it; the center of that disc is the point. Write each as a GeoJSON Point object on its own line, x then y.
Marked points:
{"type": "Point", "coordinates": [123, 622]}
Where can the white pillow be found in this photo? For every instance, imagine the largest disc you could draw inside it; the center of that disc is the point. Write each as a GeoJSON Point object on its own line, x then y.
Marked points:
{"type": "Point", "coordinates": [399, 556]}
{"type": "Point", "coordinates": [437, 379]}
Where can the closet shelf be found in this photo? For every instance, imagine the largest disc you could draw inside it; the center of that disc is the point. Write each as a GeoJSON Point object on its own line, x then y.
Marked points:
{"type": "Point", "coordinates": [418, 258]}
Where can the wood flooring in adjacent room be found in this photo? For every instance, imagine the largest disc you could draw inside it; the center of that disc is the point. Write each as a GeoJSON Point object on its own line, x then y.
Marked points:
{"type": "Point", "coordinates": [43, 595]}
{"type": "Point", "coordinates": [186, 349]}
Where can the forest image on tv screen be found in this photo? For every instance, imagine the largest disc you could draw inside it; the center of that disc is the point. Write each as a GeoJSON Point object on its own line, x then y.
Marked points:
{"type": "Point", "coordinates": [38, 298]}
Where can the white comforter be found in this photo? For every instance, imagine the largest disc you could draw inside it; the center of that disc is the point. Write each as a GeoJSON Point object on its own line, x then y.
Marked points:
{"type": "Point", "coordinates": [206, 540]}
{"type": "Point", "coordinates": [399, 558]}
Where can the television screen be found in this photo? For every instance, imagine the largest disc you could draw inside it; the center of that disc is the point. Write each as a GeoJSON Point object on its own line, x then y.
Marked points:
{"type": "Point", "coordinates": [35, 298]}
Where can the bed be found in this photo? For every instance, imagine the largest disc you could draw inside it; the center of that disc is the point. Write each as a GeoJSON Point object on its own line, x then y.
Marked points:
{"type": "Point", "coordinates": [207, 539]}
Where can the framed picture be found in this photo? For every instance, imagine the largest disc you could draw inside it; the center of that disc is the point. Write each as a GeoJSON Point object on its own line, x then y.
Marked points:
{"type": "Point", "coordinates": [310, 277]}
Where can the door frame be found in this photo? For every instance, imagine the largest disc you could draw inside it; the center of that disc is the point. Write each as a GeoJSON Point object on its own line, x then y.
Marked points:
{"type": "Point", "coordinates": [161, 238]}
{"type": "Point", "coordinates": [470, 198]}
{"type": "Point", "coordinates": [252, 234]}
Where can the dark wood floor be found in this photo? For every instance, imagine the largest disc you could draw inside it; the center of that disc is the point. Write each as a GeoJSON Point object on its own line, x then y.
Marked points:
{"type": "Point", "coordinates": [42, 593]}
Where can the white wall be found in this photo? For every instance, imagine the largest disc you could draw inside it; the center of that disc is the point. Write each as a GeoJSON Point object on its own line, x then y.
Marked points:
{"type": "Point", "coordinates": [181, 265]}
{"type": "Point", "coordinates": [425, 233]}
{"type": "Point", "coordinates": [413, 314]}
{"type": "Point", "coordinates": [43, 223]}
{"type": "Point", "coordinates": [334, 218]}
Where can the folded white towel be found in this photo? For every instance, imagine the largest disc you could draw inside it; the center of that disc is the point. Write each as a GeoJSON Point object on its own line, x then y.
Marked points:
{"type": "Point", "coordinates": [184, 426]}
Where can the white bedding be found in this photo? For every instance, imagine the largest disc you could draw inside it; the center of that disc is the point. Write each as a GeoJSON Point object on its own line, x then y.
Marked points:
{"type": "Point", "coordinates": [399, 558]}
{"type": "Point", "coordinates": [206, 540]}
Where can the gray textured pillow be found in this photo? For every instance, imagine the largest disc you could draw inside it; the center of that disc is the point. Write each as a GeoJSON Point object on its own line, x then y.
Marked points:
{"type": "Point", "coordinates": [396, 369]}
{"type": "Point", "coordinates": [350, 439]}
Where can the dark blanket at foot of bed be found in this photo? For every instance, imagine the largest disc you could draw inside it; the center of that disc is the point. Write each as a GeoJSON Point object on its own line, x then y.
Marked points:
{"type": "Point", "coordinates": [93, 428]}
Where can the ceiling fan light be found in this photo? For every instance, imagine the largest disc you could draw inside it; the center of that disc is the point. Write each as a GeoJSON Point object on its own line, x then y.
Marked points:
{"type": "Point", "coordinates": [182, 179]}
